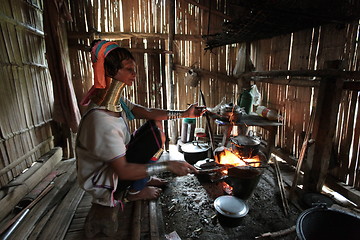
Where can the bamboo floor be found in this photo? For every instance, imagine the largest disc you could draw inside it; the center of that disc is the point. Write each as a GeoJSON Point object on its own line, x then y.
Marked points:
{"type": "Point", "coordinates": [61, 213]}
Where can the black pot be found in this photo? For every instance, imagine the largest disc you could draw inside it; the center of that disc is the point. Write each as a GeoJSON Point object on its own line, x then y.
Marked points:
{"type": "Point", "coordinates": [326, 223]}
{"type": "Point", "coordinates": [245, 146]}
{"type": "Point", "coordinates": [194, 152]}
{"type": "Point", "coordinates": [243, 180]}
{"type": "Point", "coordinates": [230, 210]}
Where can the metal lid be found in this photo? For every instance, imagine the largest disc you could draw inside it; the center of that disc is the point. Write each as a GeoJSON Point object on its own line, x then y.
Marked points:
{"type": "Point", "coordinates": [194, 147]}
{"type": "Point", "coordinates": [231, 206]}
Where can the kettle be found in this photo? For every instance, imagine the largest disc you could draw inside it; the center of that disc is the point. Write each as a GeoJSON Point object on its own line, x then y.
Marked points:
{"type": "Point", "coordinates": [231, 112]}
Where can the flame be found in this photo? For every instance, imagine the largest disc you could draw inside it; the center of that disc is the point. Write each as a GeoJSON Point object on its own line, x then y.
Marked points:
{"type": "Point", "coordinates": [227, 157]}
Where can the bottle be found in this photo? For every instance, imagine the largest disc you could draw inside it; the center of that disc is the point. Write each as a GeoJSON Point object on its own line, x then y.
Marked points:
{"type": "Point", "coordinates": [246, 100]}
{"type": "Point", "coordinates": [268, 113]}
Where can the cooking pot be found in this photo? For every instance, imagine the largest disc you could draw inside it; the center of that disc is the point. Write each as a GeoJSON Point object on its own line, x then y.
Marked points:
{"type": "Point", "coordinates": [245, 146]}
{"type": "Point", "coordinates": [195, 151]}
{"type": "Point", "coordinates": [326, 223]}
{"type": "Point", "coordinates": [243, 180]}
{"type": "Point", "coordinates": [230, 210]}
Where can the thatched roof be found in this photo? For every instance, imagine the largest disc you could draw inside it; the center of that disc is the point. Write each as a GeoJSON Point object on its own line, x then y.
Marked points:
{"type": "Point", "coordinates": [259, 19]}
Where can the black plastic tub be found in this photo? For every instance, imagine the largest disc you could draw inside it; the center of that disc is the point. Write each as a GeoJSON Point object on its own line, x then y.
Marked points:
{"type": "Point", "coordinates": [326, 223]}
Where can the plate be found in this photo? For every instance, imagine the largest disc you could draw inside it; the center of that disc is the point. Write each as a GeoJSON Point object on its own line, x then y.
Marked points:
{"type": "Point", "coordinates": [231, 206]}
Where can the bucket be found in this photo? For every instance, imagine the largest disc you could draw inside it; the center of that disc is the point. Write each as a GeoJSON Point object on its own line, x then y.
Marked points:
{"type": "Point", "coordinates": [326, 223]}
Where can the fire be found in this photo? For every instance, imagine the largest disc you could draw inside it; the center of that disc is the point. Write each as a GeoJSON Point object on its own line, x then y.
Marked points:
{"type": "Point", "coordinates": [228, 157]}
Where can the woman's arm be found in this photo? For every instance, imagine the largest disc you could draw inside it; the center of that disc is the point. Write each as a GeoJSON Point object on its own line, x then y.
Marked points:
{"type": "Point", "coordinates": [141, 112]}
{"type": "Point", "coordinates": [133, 171]}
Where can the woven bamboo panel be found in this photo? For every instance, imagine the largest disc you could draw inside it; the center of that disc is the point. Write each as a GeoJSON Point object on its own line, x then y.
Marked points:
{"type": "Point", "coordinates": [26, 88]}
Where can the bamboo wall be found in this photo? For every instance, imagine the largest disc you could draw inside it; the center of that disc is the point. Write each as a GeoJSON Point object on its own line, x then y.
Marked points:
{"type": "Point", "coordinates": [309, 50]}
{"type": "Point", "coordinates": [26, 88]}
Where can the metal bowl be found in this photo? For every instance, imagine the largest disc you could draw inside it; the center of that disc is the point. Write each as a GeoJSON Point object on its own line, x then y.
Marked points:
{"type": "Point", "coordinates": [230, 210]}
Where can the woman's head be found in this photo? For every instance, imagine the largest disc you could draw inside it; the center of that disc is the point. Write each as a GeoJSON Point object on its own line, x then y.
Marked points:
{"type": "Point", "coordinates": [108, 58]}
{"type": "Point", "coordinates": [115, 60]}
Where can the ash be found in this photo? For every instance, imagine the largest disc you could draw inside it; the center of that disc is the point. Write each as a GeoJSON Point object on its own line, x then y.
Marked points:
{"type": "Point", "coordinates": [187, 208]}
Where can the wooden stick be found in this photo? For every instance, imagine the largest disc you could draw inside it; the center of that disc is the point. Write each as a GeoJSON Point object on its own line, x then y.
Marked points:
{"type": "Point", "coordinates": [136, 220]}
{"type": "Point", "coordinates": [281, 187]}
{"type": "Point", "coordinates": [278, 233]}
{"type": "Point", "coordinates": [302, 154]}
{"type": "Point", "coordinates": [42, 194]}
{"type": "Point", "coordinates": [154, 227]}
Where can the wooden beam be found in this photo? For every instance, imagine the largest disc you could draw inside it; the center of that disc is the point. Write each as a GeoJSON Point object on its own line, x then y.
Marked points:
{"type": "Point", "coordinates": [288, 82]}
{"type": "Point", "coordinates": [352, 86]}
{"type": "Point", "coordinates": [207, 73]}
{"type": "Point", "coordinates": [127, 35]}
{"type": "Point", "coordinates": [347, 191]}
{"type": "Point", "coordinates": [319, 152]}
{"type": "Point", "coordinates": [16, 162]}
{"type": "Point", "coordinates": [215, 12]}
{"type": "Point", "coordinates": [86, 48]}
{"type": "Point", "coordinates": [114, 35]}
{"type": "Point", "coordinates": [21, 25]}
{"type": "Point", "coordinates": [285, 156]}
{"type": "Point", "coordinates": [306, 73]}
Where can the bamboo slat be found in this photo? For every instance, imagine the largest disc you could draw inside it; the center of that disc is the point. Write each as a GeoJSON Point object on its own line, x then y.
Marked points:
{"type": "Point", "coordinates": [6, 9]}
{"type": "Point", "coordinates": [300, 51]}
{"type": "Point", "coordinates": [10, 200]}
{"type": "Point", "coordinates": [5, 178]}
{"type": "Point", "coordinates": [116, 15]}
{"type": "Point", "coordinates": [332, 47]}
{"type": "Point", "coordinates": [355, 176]}
{"type": "Point", "coordinates": [46, 207]}
{"type": "Point", "coordinates": [345, 133]}
{"type": "Point", "coordinates": [62, 216]}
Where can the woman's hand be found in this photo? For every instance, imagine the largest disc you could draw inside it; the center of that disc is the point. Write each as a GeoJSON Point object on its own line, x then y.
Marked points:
{"type": "Point", "coordinates": [194, 111]}
{"type": "Point", "coordinates": [181, 168]}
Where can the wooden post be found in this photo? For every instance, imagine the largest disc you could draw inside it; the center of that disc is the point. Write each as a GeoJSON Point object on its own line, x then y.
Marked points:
{"type": "Point", "coordinates": [319, 152]}
{"type": "Point", "coordinates": [171, 34]}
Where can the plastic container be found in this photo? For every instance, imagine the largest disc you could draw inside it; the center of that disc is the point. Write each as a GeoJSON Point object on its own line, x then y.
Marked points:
{"type": "Point", "coordinates": [188, 130]}
{"type": "Point", "coordinates": [268, 113]}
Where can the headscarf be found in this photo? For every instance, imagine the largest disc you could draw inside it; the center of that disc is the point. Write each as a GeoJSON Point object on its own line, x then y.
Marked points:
{"type": "Point", "coordinates": [98, 54]}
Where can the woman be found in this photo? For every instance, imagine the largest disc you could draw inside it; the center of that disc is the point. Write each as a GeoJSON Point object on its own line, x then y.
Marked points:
{"type": "Point", "coordinates": [109, 159]}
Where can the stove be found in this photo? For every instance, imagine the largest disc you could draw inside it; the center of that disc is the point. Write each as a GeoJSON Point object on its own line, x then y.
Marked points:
{"type": "Point", "coordinates": [239, 176]}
